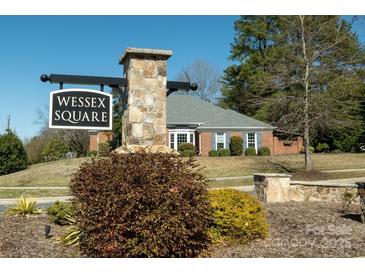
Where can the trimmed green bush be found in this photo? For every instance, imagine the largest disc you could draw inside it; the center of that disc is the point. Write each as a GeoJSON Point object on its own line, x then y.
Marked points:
{"type": "Point", "coordinates": [213, 153]}
{"type": "Point", "coordinates": [12, 154]}
{"type": "Point", "coordinates": [141, 205]}
{"type": "Point", "coordinates": [250, 151]}
{"type": "Point", "coordinates": [236, 146]}
{"type": "Point", "coordinates": [264, 151]}
{"type": "Point", "coordinates": [322, 147]}
{"type": "Point", "coordinates": [311, 149]}
{"type": "Point", "coordinates": [59, 213]}
{"type": "Point", "coordinates": [187, 153]}
{"type": "Point", "coordinates": [104, 149]}
{"type": "Point", "coordinates": [186, 146]}
{"type": "Point", "coordinates": [224, 152]}
{"type": "Point", "coordinates": [237, 217]}
{"type": "Point", "coordinates": [92, 153]}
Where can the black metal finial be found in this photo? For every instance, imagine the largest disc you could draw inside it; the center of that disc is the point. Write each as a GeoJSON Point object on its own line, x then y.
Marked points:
{"type": "Point", "coordinates": [44, 78]}
{"type": "Point", "coordinates": [193, 86]}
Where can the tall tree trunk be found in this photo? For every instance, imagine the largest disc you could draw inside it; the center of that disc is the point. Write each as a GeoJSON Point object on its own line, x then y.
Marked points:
{"type": "Point", "coordinates": [308, 160]}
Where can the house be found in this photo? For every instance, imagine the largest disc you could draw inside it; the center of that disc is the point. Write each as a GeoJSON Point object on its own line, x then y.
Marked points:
{"type": "Point", "coordinates": [209, 127]}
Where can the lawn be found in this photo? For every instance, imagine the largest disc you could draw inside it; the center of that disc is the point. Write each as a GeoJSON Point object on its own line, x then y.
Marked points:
{"type": "Point", "coordinates": [239, 166]}
{"type": "Point", "coordinates": [58, 173]}
{"type": "Point", "coordinates": [11, 193]}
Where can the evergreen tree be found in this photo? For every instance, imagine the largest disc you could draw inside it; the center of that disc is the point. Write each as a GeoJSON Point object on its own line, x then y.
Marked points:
{"type": "Point", "coordinates": [12, 153]}
{"type": "Point", "coordinates": [303, 74]}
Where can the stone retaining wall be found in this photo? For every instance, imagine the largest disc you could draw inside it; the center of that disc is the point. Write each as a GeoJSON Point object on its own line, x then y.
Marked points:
{"type": "Point", "coordinates": [278, 188]}
{"type": "Point", "coordinates": [313, 193]}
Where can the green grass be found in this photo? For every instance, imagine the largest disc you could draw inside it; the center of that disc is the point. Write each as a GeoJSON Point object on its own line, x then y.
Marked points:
{"type": "Point", "coordinates": [240, 166]}
{"type": "Point", "coordinates": [59, 173]}
{"type": "Point", "coordinates": [11, 193]}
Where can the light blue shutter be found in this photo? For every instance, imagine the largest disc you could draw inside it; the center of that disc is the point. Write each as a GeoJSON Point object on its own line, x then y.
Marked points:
{"type": "Point", "coordinates": [244, 136]}
{"type": "Point", "coordinates": [228, 139]}
{"type": "Point", "coordinates": [258, 134]}
{"type": "Point", "coordinates": [213, 140]}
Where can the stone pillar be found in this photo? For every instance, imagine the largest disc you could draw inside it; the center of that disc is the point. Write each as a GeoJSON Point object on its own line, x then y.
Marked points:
{"type": "Point", "coordinates": [144, 121]}
{"type": "Point", "coordinates": [272, 187]}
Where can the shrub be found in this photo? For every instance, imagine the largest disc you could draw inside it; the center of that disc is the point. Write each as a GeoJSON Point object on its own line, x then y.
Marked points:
{"type": "Point", "coordinates": [236, 145]}
{"type": "Point", "coordinates": [74, 235]}
{"type": "Point", "coordinates": [250, 151]}
{"type": "Point", "coordinates": [141, 205]}
{"type": "Point", "coordinates": [55, 148]}
{"type": "Point", "coordinates": [187, 153]}
{"type": "Point", "coordinates": [59, 213]}
{"type": "Point", "coordinates": [12, 154]}
{"type": "Point", "coordinates": [24, 206]}
{"type": "Point", "coordinates": [311, 149]}
{"type": "Point", "coordinates": [322, 147]}
{"type": "Point", "coordinates": [213, 153]}
{"type": "Point", "coordinates": [104, 149]}
{"type": "Point", "coordinates": [264, 151]}
{"type": "Point", "coordinates": [347, 199]}
{"type": "Point", "coordinates": [186, 146]}
{"type": "Point", "coordinates": [224, 152]}
{"type": "Point", "coordinates": [237, 217]}
{"type": "Point", "coordinates": [92, 153]}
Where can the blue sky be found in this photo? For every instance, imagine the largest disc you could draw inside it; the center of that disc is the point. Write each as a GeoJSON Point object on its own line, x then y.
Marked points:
{"type": "Point", "coordinates": [92, 45]}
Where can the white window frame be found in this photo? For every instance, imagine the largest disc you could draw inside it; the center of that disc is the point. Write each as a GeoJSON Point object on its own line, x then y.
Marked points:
{"type": "Point", "coordinates": [255, 140]}
{"type": "Point", "coordinates": [181, 131]}
{"type": "Point", "coordinates": [224, 138]}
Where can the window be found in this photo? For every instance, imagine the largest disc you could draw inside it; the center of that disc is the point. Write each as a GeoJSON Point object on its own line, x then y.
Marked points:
{"type": "Point", "coordinates": [220, 140]}
{"type": "Point", "coordinates": [172, 140]}
{"type": "Point", "coordinates": [180, 136]}
{"type": "Point", "coordinates": [251, 140]}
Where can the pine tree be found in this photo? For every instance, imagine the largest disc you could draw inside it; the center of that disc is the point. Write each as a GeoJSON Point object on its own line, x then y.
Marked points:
{"type": "Point", "coordinates": [303, 74]}
{"type": "Point", "coordinates": [12, 153]}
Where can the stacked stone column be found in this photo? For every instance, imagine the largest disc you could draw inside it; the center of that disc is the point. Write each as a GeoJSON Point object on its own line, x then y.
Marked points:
{"type": "Point", "coordinates": [144, 121]}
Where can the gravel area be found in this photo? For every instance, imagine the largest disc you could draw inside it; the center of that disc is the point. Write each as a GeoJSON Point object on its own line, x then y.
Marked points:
{"type": "Point", "coordinates": [23, 237]}
{"type": "Point", "coordinates": [305, 230]}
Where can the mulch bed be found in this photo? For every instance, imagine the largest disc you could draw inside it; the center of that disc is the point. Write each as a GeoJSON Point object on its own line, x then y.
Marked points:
{"type": "Point", "coordinates": [296, 230]}
{"type": "Point", "coordinates": [23, 237]}
{"type": "Point", "coordinates": [305, 230]}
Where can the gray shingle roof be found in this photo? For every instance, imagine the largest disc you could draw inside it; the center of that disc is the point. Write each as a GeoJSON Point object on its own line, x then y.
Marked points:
{"type": "Point", "coordinates": [191, 110]}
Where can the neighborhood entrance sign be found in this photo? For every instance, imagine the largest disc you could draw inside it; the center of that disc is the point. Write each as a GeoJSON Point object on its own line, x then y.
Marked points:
{"type": "Point", "coordinates": [80, 109]}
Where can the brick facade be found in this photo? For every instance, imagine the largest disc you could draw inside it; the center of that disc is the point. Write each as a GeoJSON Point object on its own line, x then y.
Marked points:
{"type": "Point", "coordinates": [276, 146]}
{"type": "Point", "coordinates": [203, 140]}
{"type": "Point", "coordinates": [99, 138]}
{"type": "Point", "coordinates": [281, 147]}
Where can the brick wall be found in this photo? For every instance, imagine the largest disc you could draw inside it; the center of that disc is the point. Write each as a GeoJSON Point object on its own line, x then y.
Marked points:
{"type": "Point", "coordinates": [275, 145]}
{"type": "Point", "coordinates": [100, 137]}
{"type": "Point", "coordinates": [93, 145]}
{"type": "Point", "coordinates": [206, 143]}
{"type": "Point", "coordinates": [267, 140]}
{"type": "Point", "coordinates": [280, 148]}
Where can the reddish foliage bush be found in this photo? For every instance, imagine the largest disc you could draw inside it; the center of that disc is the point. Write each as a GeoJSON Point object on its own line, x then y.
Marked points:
{"type": "Point", "coordinates": [141, 205]}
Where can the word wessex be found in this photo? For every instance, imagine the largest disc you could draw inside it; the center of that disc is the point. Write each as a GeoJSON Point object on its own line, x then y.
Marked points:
{"type": "Point", "coordinates": [80, 109]}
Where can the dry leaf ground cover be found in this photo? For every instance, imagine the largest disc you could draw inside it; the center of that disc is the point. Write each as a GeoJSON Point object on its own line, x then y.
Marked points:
{"type": "Point", "coordinates": [296, 230]}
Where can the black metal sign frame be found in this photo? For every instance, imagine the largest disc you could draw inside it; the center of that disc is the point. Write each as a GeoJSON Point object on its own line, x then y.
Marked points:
{"type": "Point", "coordinates": [108, 81]}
